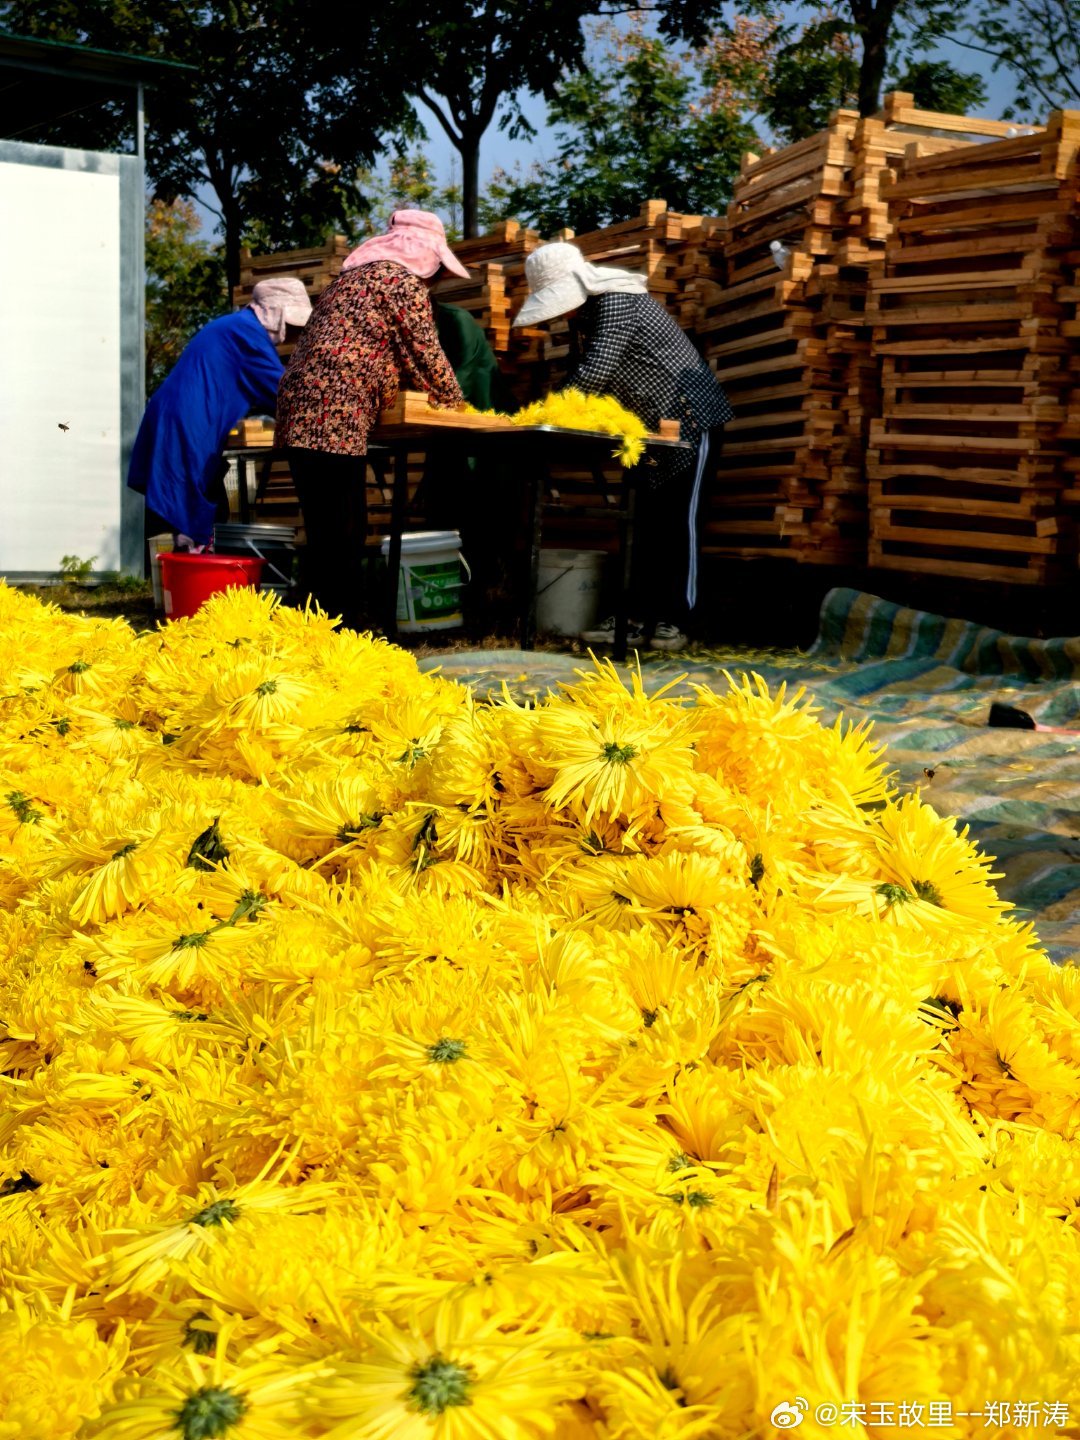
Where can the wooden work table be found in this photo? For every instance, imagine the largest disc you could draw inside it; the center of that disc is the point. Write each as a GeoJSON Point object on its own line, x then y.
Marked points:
{"type": "Point", "coordinates": [531, 451]}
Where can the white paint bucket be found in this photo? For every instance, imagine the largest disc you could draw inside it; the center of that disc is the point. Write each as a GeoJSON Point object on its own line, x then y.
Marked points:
{"type": "Point", "coordinates": [430, 581]}
{"type": "Point", "coordinates": [568, 590]}
{"type": "Point", "coordinates": [157, 546]}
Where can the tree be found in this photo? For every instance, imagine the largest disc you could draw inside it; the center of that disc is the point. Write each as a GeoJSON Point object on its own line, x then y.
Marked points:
{"type": "Point", "coordinates": [264, 124]}
{"type": "Point", "coordinates": [937, 86]}
{"type": "Point", "coordinates": [843, 55]}
{"type": "Point", "coordinates": [478, 57]}
{"type": "Point", "coordinates": [1037, 41]}
{"type": "Point", "coordinates": [185, 284]}
{"type": "Point", "coordinates": [644, 121]}
{"type": "Point", "coordinates": [809, 70]}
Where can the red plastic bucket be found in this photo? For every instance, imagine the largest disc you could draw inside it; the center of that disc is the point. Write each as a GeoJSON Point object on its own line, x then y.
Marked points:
{"type": "Point", "coordinates": [187, 580]}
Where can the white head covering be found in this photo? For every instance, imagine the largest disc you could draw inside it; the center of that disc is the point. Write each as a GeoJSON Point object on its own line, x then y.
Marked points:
{"type": "Point", "coordinates": [561, 279]}
{"type": "Point", "coordinates": [278, 303]}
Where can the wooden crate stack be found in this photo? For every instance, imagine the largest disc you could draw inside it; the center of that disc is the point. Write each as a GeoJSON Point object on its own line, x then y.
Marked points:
{"type": "Point", "coordinates": [970, 459]}
{"type": "Point", "coordinates": [316, 267]}
{"type": "Point", "coordinates": [793, 350]}
{"type": "Point", "coordinates": [1070, 434]}
{"type": "Point", "coordinates": [496, 287]}
{"type": "Point", "coordinates": [761, 332]}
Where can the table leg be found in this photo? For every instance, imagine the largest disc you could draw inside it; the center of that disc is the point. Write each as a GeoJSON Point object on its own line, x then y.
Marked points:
{"type": "Point", "coordinates": [242, 480]}
{"type": "Point", "coordinates": [398, 505]}
{"type": "Point", "coordinates": [626, 560]}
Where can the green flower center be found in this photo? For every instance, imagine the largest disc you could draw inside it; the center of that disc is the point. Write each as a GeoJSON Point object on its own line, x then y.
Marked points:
{"type": "Point", "coordinates": [438, 1384]}
{"type": "Point", "coordinates": [24, 811]}
{"type": "Point", "coordinates": [894, 894]}
{"type": "Point", "coordinates": [202, 1341]}
{"type": "Point", "coordinates": [696, 1199]}
{"type": "Point", "coordinates": [618, 754]}
{"type": "Point", "coordinates": [413, 753]}
{"type": "Point", "coordinates": [122, 724]}
{"type": "Point", "coordinates": [78, 667]}
{"type": "Point", "coordinates": [679, 1161]}
{"type": "Point", "coordinates": [445, 1052]}
{"type": "Point", "coordinates": [757, 870]}
{"type": "Point", "coordinates": [268, 687]}
{"type": "Point", "coordinates": [928, 891]}
{"type": "Point", "coordinates": [349, 832]}
{"type": "Point", "coordinates": [216, 1212]}
{"type": "Point", "coordinates": [125, 849]}
{"type": "Point", "coordinates": [209, 1413]}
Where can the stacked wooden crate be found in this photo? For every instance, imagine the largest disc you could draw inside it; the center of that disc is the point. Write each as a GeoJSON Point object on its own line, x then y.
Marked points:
{"type": "Point", "coordinates": [794, 349]}
{"type": "Point", "coordinates": [1070, 434]}
{"type": "Point", "coordinates": [970, 459]}
{"type": "Point", "coordinates": [316, 267]}
{"type": "Point", "coordinates": [496, 286]}
{"type": "Point", "coordinates": [763, 332]}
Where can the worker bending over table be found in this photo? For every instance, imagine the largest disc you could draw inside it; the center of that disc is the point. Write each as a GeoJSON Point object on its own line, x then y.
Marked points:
{"type": "Point", "coordinates": [371, 332]}
{"type": "Point", "coordinates": [228, 370]}
{"type": "Point", "coordinates": [628, 346]}
{"type": "Point", "coordinates": [482, 500]}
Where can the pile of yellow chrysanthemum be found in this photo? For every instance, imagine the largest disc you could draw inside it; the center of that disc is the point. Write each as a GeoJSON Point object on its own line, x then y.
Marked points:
{"type": "Point", "coordinates": [382, 1065]}
{"type": "Point", "coordinates": [575, 410]}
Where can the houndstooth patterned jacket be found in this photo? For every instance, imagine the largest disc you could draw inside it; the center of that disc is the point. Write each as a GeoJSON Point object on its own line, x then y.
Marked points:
{"type": "Point", "coordinates": [629, 346]}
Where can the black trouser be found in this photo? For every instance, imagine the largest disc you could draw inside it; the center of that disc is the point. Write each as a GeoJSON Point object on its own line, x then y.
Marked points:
{"type": "Point", "coordinates": [661, 559]}
{"type": "Point", "coordinates": [332, 490]}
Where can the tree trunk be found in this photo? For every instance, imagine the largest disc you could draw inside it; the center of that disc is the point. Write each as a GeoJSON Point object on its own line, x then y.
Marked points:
{"type": "Point", "coordinates": [470, 185]}
{"type": "Point", "coordinates": [874, 23]}
{"type": "Point", "coordinates": [232, 227]}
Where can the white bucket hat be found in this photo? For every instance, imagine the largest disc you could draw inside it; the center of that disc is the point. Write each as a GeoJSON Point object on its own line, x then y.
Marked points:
{"type": "Point", "coordinates": [561, 279]}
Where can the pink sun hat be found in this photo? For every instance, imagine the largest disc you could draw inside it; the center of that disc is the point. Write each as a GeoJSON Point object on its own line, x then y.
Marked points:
{"type": "Point", "coordinates": [415, 239]}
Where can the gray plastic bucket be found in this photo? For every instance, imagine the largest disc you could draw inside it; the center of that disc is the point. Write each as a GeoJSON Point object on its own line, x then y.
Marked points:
{"type": "Point", "coordinates": [275, 545]}
{"type": "Point", "coordinates": [568, 590]}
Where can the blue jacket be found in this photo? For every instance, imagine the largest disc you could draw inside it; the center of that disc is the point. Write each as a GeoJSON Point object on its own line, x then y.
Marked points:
{"type": "Point", "coordinates": [228, 370]}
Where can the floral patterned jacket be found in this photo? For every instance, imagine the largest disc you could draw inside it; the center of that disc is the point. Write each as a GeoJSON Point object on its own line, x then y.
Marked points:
{"type": "Point", "coordinates": [371, 330]}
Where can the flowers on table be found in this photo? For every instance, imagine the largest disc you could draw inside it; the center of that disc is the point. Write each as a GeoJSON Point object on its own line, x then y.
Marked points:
{"type": "Point", "coordinates": [574, 410]}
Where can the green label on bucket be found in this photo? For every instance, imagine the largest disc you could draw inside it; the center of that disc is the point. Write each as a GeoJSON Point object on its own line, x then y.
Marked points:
{"type": "Point", "coordinates": [433, 591]}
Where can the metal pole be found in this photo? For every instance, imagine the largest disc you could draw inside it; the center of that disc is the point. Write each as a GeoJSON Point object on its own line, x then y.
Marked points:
{"type": "Point", "coordinates": [140, 122]}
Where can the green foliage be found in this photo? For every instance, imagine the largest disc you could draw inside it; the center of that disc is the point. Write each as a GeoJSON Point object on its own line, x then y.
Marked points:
{"type": "Point", "coordinates": [475, 60]}
{"type": "Point", "coordinates": [814, 71]}
{"type": "Point", "coordinates": [262, 122]}
{"type": "Point", "coordinates": [74, 569]}
{"type": "Point", "coordinates": [937, 86]}
{"type": "Point", "coordinates": [412, 181]}
{"type": "Point", "coordinates": [642, 122]}
{"type": "Point", "coordinates": [127, 584]}
{"type": "Point", "coordinates": [185, 284]}
{"type": "Point", "coordinates": [844, 55]}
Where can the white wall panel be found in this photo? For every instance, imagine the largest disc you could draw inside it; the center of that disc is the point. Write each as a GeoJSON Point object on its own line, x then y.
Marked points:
{"type": "Point", "coordinates": [62, 362]}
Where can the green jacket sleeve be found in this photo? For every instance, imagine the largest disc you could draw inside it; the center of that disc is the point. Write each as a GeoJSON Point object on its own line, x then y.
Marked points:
{"type": "Point", "coordinates": [465, 346]}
